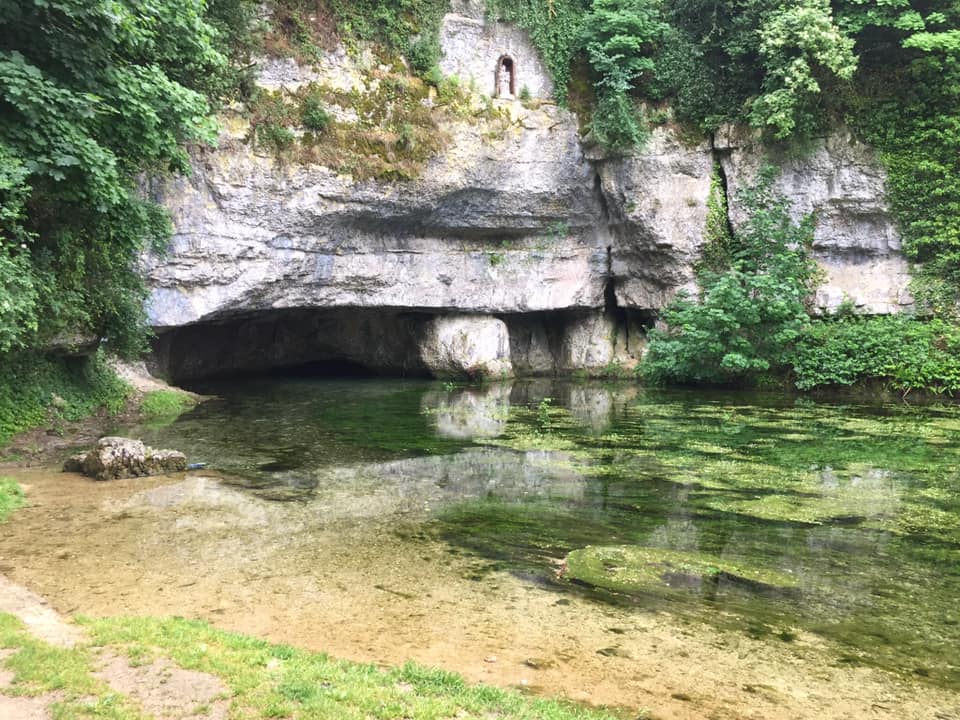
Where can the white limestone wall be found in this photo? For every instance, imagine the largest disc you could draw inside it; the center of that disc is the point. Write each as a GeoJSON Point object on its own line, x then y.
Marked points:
{"type": "Point", "coordinates": [472, 47]}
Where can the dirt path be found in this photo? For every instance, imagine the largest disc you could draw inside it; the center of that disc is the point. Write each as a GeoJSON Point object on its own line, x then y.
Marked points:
{"type": "Point", "coordinates": [41, 620]}
{"type": "Point", "coordinates": [159, 688]}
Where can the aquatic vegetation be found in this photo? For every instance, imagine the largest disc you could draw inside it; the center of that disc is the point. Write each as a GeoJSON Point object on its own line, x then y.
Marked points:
{"type": "Point", "coordinates": [11, 497]}
{"type": "Point", "coordinates": [858, 506]}
{"type": "Point", "coordinates": [165, 405]}
{"type": "Point", "coordinates": [632, 569]}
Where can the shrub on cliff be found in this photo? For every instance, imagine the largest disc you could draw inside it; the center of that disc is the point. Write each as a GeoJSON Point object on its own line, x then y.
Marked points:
{"type": "Point", "coordinates": [748, 317]}
{"type": "Point", "coordinates": [619, 36]}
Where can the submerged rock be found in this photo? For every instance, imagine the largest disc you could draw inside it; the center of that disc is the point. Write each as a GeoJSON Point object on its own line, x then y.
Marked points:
{"type": "Point", "coordinates": [116, 457]}
{"type": "Point", "coordinates": [634, 569]}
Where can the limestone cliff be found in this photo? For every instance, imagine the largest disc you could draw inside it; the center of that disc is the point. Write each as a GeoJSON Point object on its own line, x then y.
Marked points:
{"type": "Point", "coordinates": [555, 259]}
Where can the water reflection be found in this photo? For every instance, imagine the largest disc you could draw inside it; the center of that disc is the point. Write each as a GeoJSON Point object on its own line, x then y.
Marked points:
{"type": "Point", "coordinates": [469, 413]}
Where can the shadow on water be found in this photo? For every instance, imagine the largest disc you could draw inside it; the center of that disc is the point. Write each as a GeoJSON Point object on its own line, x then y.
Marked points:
{"type": "Point", "coordinates": [762, 514]}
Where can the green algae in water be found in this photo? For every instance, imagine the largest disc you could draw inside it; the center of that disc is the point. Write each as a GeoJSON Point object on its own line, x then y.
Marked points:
{"type": "Point", "coordinates": [633, 569]}
{"type": "Point", "coordinates": [859, 505]}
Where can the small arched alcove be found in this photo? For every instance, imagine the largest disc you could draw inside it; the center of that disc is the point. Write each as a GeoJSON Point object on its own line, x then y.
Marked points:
{"type": "Point", "coordinates": [506, 77]}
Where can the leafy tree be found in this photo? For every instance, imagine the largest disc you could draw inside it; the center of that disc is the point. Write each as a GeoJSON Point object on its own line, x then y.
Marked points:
{"type": "Point", "coordinates": [749, 316]}
{"type": "Point", "coordinates": [765, 62]}
{"type": "Point", "coordinates": [799, 41]}
{"type": "Point", "coordinates": [92, 93]}
{"type": "Point", "coordinates": [619, 37]}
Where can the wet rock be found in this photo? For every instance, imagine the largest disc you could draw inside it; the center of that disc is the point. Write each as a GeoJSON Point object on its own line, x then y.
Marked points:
{"type": "Point", "coordinates": [74, 463]}
{"type": "Point", "coordinates": [117, 457]}
{"type": "Point", "coordinates": [469, 346]}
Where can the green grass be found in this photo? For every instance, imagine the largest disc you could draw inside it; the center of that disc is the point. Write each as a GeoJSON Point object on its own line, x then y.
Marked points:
{"type": "Point", "coordinates": [279, 681]}
{"type": "Point", "coordinates": [265, 680]}
{"type": "Point", "coordinates": [161, 405]}
{"type": "Point", "coordinates": [40, 668]}
{"type": "Point", "coordinates": [11, 497]}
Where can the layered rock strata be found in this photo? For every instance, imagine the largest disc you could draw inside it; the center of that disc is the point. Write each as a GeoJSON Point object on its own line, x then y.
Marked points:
{"type": "Point", "coordinates": [561, 256]}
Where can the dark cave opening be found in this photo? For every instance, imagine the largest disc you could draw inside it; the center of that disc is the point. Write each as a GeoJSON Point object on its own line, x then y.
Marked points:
{"type": "Point", "coordinates": [342, 342]}
{"type": "Point", "coordinates": [371, 342]}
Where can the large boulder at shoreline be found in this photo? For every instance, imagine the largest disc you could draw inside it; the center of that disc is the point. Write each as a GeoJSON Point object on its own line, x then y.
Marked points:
{"type": "Point", "coordinates": [466, 347]}
{"type": "Point", "coordinates": [116, 457]}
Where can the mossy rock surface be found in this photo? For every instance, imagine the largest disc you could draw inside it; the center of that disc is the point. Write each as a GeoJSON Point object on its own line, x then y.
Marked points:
{"type": "Point", "coordinates": [636, 569]}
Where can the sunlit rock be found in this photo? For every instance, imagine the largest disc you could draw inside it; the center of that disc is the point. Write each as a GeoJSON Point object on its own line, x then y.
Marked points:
{"type": "Point", "coordinates": [470, 347]}
{"type": "Point", "coordinates": [116, 457]}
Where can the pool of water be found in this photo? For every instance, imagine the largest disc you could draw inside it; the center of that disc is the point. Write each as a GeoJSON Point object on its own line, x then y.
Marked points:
{"type": "Point", "coordinates": [644, 529]}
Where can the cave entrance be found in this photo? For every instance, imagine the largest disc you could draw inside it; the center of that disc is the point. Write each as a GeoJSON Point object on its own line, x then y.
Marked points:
{"type": "Point", "coordinates": [506, 77]}
{"type": "Point", "coordinates": [341, 342]}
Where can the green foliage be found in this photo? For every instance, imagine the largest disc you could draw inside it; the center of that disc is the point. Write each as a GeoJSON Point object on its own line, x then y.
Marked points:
{"type": "Point", "coordinates": [615, 124]}
{"type": "Point", "coordinates": [11, 498]}
{"type": "Point", "coordinates": [764, 62]}
{"type": "Point", "coordinates": [424, 54]}
{"type": "Point", "coordinates": [410, 27]}
{"type": "Point", "coordinates": [799, 40]}
{"type": "Point", "coordinates": [908, 105]}
{"type": "Point", "coordinates": [35, 389]}
{"type": "Point", "coordinates": [313, 115]}
{"type": "Point", "coordinates": [904, 352]}
{"type": "Point", "coordinates": [749, 316]}
{"type": "Point", "coordinates": [619, 36]}
{"type": "Point", "coordinates": [718, 236]}
{"type": "Point", "coordinates": [92, 93]}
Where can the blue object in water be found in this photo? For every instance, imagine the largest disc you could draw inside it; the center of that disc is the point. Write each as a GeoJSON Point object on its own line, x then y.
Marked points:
{"type": "Point", "coordinates": [196, 466]}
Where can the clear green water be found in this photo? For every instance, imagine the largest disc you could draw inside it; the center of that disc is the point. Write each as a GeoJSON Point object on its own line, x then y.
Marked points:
{"type": "Point", "coordinates": [854, 509]}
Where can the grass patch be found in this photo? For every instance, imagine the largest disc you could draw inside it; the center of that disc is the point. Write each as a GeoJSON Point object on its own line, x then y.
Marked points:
{"type": "Point", "coordinates": [281, 681]}
{"type": "Point", "coordinates": [40, 668]}
{"type": "Point", "coordinates": [163, 405]}
{"type": "Point", "coordinates": [11, 497]}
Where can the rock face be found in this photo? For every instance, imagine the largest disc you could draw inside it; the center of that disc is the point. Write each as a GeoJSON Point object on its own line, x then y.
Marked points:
{"type": "Point", "coordinates": [466, 347]}
{"type": "Point", "coordinates": [842, 183]}
{"type": "Point", "coordinates": [513, 226]}
{"type": "Point", "coordinates": [658, 209]}
{"type": "Point", "coordinates": [116, 457]}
